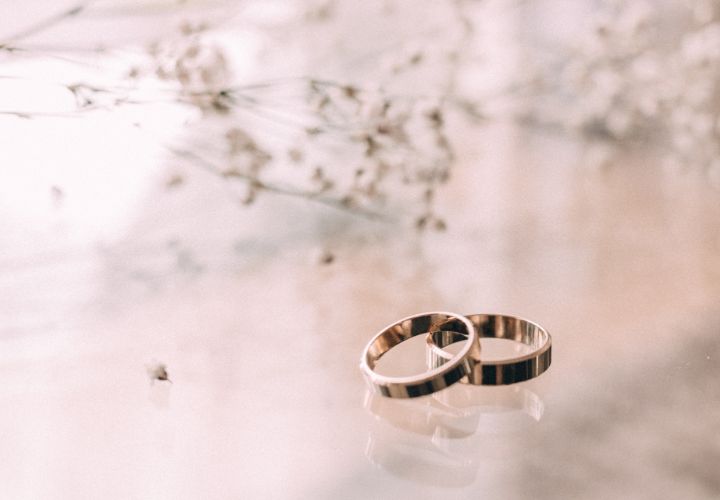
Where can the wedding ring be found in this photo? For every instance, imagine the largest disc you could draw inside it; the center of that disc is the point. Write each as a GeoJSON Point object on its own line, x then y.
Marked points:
{"type": "Point", "coordinates": [501, 372]}
{"type": "Point", "coordinates": [453, 368]}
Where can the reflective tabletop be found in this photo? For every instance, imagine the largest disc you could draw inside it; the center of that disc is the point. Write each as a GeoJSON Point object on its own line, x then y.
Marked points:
{"type": "Point", "coordinates": [161, 340]}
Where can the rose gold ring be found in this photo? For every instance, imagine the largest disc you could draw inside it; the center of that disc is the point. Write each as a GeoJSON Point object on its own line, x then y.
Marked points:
{"type": "Point", "coordinates": [500, 372]}
{"type": "Point", "coordinates": [453, 368]}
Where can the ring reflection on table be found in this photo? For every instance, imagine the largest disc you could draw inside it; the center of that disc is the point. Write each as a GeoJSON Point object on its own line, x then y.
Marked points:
{"type": "Point", "coordinates": [414, 457]}
{"type": "Point", "coordinates": [461, 404]}
{"type": "Point", "coordinates": [456, 430]}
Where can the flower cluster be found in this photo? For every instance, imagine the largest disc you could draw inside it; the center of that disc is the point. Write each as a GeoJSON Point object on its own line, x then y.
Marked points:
{"type": "Point", "coordinates": [372, 143]}
{"type": "Point", "coordinates": [613, 73]}
{"type": "Point", "coordinates": [633, 78]}
{"type": "Point", "coordinates": [199, 67]}
{"type": "Point", "coordinates": [693, 99]}
{"type": "Point", "coordinates": [360, 149]}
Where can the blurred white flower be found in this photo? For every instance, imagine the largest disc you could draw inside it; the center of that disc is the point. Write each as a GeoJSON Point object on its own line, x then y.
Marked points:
{"type": "Point", "coordinates": [632, 76]}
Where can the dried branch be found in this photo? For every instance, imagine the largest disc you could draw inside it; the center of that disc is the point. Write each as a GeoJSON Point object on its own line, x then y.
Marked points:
{"type": "Point", "coordinates": [385, 135]}
{"type": "Point", "coordinates": [45, 24]}
{"type": "Point", "coordinates": [256, 183]}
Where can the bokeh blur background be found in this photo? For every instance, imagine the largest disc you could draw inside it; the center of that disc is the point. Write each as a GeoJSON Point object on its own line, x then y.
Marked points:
{"type": "Point", "coordinates": [236, 195]}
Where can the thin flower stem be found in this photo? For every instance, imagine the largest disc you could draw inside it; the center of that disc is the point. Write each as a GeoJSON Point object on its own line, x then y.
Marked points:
{"type": "Point", "coordinates": [34, 114]}
{"type": "Point", "coordinates": [48, 22]}
{"type": "Point", "coordinates": [211, 168]}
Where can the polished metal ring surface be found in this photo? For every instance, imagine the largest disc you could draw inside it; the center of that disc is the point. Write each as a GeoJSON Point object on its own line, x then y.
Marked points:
{"type": "Point", "coordinates": [454, 367]}
{"type": "Point", "coordinates": [500, 372]}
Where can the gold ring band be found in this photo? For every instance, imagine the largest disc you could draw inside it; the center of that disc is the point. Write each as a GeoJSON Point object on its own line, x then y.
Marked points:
{"type": "Point", "coordinates": [501, 372]}
{"type": "Point", "coordinates": [453, 368]}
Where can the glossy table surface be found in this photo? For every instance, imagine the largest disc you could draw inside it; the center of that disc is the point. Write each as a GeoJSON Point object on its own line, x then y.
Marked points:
{"type": "Point", "coordinates": [115, 273]}
{"type": "Point", "coordinates": [262, 343]}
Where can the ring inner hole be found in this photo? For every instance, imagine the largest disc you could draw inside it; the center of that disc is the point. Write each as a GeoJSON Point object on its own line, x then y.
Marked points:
{"type": "Point", "coordinates": [405, 359]}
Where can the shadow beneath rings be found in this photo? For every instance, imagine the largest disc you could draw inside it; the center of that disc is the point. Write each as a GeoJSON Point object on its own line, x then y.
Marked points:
{"type": "Point", "coordinates": [442, 439]}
